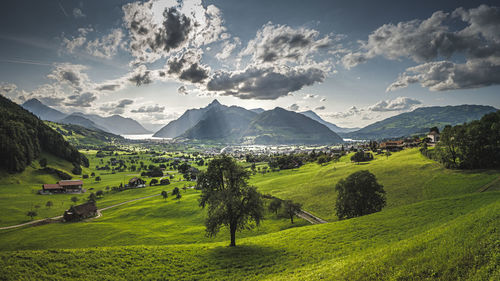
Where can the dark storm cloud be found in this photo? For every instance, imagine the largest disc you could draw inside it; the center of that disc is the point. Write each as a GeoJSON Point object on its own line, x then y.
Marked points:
{"type": "Point", "coordinates": [194, 74]}
{"type": "Point", "coordinates": [176, 28]}
{"type": "Point", "coordinates": [264, 83]}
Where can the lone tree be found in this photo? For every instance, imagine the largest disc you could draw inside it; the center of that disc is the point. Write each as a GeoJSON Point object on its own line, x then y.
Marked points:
{"type": "Point", "coordinates": [74, 199]}
{"type": "Point", "coordinates": [176, 191]}
{"type": "Point", "coordinates": [92, 197]}
{"type": "Point", "coordinates": [164, 194]}
{"type": "Point", "coordinates": [228, 198]}
{"type": "Point", "coordinates": [275, 205]}
{"type": "Point", "coordinates": [290, 208]}
{"type": "Point", "coordinates": [153, 182]}
{"type": "Point", "coordinates": [31, 214]}
{"type": "Point", "coordinates": [49, 204]}
{"type": "Point", "coordinates": [359, 194]}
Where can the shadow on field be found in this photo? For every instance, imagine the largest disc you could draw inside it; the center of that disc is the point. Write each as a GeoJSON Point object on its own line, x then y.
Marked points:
{"type": "Point", "coordinates": [247, 256]}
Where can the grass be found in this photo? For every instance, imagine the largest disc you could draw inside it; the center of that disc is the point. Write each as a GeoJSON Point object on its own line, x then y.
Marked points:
{"type": "Point", "coordinates": [153, 221]}
{"type": "Point", "coordinates": [454, 238]}
{"type": "Point", "coordinates": [407, 177]}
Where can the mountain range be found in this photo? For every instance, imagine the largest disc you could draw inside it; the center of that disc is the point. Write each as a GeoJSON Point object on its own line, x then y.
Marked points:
{"type": "Point", "coordinates": [114, 124]}
{"type": "Point", "coordinates": [311, 114]}
{"type": "Point", "coordinates": [420, 120]}
{"type": "Point", "coordinates": [237, 124]}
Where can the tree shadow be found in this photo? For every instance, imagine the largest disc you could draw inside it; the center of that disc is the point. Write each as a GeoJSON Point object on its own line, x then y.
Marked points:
{"type": "Point", "coordinates": [247, 256]}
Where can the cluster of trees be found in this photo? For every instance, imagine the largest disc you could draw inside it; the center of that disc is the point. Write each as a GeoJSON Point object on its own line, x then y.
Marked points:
{"type": "Point", "coordinates": [474, 145]}
{"type": "Point", "coordinates": [362, 156]}
{"type": "Point", "coordinates": [282, 162]}
{"type": "Point", "coordinates": [23, 137]}
{"type": "Point", "coordinates": [288, 207]}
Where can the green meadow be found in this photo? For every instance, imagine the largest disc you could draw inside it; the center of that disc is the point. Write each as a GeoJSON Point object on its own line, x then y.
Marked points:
{"type": "Point", "coordinates": [436, 225]}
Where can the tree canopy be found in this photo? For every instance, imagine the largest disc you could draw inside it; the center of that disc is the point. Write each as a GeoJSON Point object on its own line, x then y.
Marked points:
{"type": "Point", "coordinates": [359, 194]}
{"type": "Point", "coordinates": [228, 197]}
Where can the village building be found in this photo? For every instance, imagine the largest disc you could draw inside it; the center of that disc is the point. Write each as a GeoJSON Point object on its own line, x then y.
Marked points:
{"type": "Point", "coordinates": [392, 145]}
{"type": "Point", "coordinates": [63, 186]}
{"type": "Point", "coordinates": [136, 182]}
{"type": "Point", "coordinates": [433, 136]}
{"type": "Point", "coordinates": [80, 212]}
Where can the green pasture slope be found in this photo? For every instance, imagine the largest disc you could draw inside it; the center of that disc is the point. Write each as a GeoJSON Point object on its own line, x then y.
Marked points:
{"type": "Point", "coordinates": [453, 238]}
{"type": "Point", "coordinates": [407, 177]}
{"type": "Point", "coordinates": [436, 226]}
{"type": "Point", "coordinates": [18, 191]}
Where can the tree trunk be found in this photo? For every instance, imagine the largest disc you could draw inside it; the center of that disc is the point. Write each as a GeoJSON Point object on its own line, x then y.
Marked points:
{"type": "Point", "coordinates": [232, 229]}
{"type": "Point", "coordinates": [291, 218]}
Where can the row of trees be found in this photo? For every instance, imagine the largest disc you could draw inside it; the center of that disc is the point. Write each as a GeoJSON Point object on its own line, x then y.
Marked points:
{"type": "Point", "coordinates": [474, 145]}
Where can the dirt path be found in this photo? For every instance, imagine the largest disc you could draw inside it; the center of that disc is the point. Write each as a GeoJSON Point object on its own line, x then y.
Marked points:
{"type": "Point", "coordinates": [310, 217]}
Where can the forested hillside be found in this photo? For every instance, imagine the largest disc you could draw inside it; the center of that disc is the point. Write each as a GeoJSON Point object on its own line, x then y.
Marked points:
{"type": "Point", "coordinates": [23, 137]}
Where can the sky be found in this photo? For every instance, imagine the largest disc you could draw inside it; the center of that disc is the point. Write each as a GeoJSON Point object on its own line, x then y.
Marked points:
{"type": "Point", "coordinates": [352, 62]}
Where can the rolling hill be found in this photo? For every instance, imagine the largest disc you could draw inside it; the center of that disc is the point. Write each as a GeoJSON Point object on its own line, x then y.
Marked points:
{"type": "Point", "coordinates": [23, 137]}
{"type": "Point", "coordinates": [280, 126]}
{"type": "Point", "coordinates": [420, 120]}
{"type": "Point", "coordinates": [311, 114]}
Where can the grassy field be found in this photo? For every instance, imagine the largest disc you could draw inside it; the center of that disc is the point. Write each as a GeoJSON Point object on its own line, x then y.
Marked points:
{"type": "Point", "coordinates": [453, 238]}
{"type": "Point", "coordinates": [407, 177]}
{"type": "Point", "coordinates": [436, 226]}
{"type": "Point", "coordinates": [152, 221]}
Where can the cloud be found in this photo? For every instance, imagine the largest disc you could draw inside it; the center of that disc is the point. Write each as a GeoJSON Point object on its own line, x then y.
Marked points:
{"type": "Point", "coordinates": [141, 76]}
{"type": "Point", "coordinates": [116, 108]}
{"type": "Point", "coordinates": [149, 109]}
{"type": "Point", "coordinates": [320, 108]}
{"type": "Point", "coordinates": [309, 96]}
{"type": "Point", "coordinates": [293, 107]}
{"type": "Point", "coordinates": [424, 41]}
{"type": "Point", "coordinates": [228, 48]}
{"type": "Point", "coordinates": [187, 67]}
{"type": "Point", "coordinates": [323, 100]}
{"type": "Point", "coordinates": [352, 111]}
{"type": "Point", "coordinates": [264, 83]}
{"type": "Point", "coordinates": [72, 75]}
{"type": "Point", "coordinates": [7, 87]}
{"type": "Point", "coordinates": [281, 44]}
{"type": "Point", "coordinates": [106, 46]}
{"type": "Point", "coordinates": [82, 100]}
{"type": "Point", "coordinates": [182, 90]}
{"type": "Point", "coordinates": [77, 13]}
{"type": "Point", "coordinates": [397, 104]}
{"type": "Point", "coordinates": [158, 28]}
{"type": "Point", "coordinates": [445, 75]}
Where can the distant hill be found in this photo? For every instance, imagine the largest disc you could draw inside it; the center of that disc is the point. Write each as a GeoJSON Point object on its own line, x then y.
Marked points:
{"type": "Point", "coordinates": [311, 114]}
{"type": "Point", "coordinates": [23, 136]}
{"type": "Point", "coordinates": [115, 124]}
{"type": "Point", "coordinates": [221, 123]}
{"type": "Point", "coordinates": [187, 120]}
{"type": "Point", "coordinates": [280, 126]}
{"type": "Point", "coordinates": [420, 120]}
{"type": "Point", "coordinates": [79, 120]}
{"type": "Point", "coordinates": [257, 110]}
{"type": "Point", "coordinates": [42, 111]}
